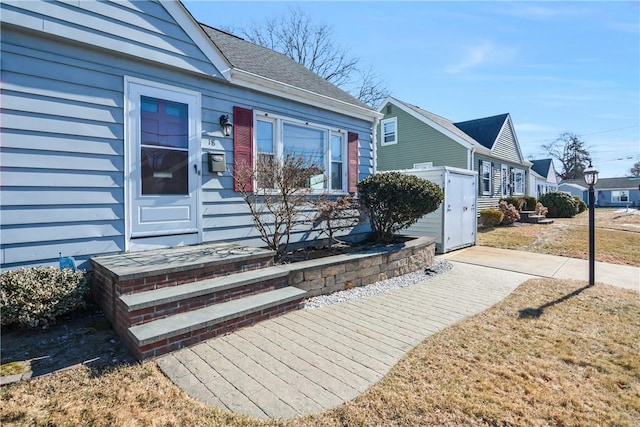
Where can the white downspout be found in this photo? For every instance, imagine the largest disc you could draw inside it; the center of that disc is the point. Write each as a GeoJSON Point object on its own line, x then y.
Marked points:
{"type": "Point", "coordinates": [374, 140]}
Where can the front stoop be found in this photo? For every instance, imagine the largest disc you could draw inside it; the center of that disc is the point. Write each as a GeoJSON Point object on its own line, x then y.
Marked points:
{"type": "Point", "coordinates": [532, 218]}
{"type": "Point", "coordinates": [160, 301]}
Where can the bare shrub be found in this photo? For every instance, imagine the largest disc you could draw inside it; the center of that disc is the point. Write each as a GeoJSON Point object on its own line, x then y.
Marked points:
{"type": "Point", "coordinates": [510, 212]}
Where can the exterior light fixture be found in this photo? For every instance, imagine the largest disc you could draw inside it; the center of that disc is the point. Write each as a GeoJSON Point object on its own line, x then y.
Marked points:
{"type": "Point", "coordinates": [591, 178]}
{"type": "Point", "coordinates": [226, 125]}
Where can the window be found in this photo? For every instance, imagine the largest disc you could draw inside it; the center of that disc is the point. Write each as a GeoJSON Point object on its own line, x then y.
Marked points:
{"type": "Point", "coordinates": [485, 178]}
{"type": "Point", "coordinates": [518, 182]}
{"type": "Point", "coordinates": [620, 196]}
{"type": "Point", "coordinates": [323, 149]}
{"type": "Point", "coordinates": [389, 131]}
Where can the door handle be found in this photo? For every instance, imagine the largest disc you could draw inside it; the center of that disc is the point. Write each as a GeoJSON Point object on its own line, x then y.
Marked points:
{"type": "Point", "coordinates": [195, 168]}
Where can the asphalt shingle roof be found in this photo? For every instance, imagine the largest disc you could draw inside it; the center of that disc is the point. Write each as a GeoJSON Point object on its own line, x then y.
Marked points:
{"type": "Point", "coordinates": [541, 166]}
{"type": "Point", "coordinates": [484, 130]}
{"type": "Point", "coordinates": [264, 62]}
{"type": "Point", "coordinates": [623, 183]}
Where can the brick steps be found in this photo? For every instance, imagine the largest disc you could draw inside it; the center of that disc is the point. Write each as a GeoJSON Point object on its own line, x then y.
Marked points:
{"type": "Point", "coordinates": [165, 299]}
{"type": "Point", "coordinates": [160, 336]}
{"type": "Point", "coordinates": [155, 304]}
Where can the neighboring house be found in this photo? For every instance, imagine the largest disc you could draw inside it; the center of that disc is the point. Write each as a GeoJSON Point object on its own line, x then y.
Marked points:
{"type": "Point", "coordinates": [609, 192]}
{"type": "Point", "coordinates": [409, 137]}
{"type": "Point", "coordinates": [543, 177]}
{"type": "Point", "coordinates": [112, 138]}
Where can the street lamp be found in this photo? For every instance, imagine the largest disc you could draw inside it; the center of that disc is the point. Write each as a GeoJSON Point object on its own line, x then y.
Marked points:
{"type": "Point", "coordinates": [591, 178]}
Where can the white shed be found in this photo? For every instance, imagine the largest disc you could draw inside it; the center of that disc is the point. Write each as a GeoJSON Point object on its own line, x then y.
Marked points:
{"type": "Point", "coordinates": [454, 224]}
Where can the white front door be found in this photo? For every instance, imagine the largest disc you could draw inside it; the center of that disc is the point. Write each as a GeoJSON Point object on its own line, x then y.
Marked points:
{"type": "Point", "coordinates": [163, 146]}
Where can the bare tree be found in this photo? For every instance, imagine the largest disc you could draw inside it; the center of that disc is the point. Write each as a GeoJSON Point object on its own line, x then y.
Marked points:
{"type": "Point", "coordinates": [312, 45]}
{"type": "Point", "coordinates": [336, 214]}
{"type": "Point", "coordinates": [283, 198]}
{"type": "Point", "coordinates": [570, 151]}
{"type": "Point", "coordinates": [635, 169]}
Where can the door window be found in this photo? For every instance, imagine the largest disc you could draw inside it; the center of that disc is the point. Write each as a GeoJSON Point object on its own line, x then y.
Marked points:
{"type": "Point", "coordinates": [164, 147]}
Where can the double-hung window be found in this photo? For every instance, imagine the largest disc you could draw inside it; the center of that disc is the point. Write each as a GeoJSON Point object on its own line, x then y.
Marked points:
{"type": "Point", "coordinates": [318, 149]}
{"type": "Point", "coordinates": [619, 196]}
{"type": "Point", "coordinates": [389, 131]}
{"type": "Point", "coordinates": [485, 178]}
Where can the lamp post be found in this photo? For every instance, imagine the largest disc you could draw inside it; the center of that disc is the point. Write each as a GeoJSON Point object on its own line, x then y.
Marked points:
{"type": "Point", "coordinates": [591, 178]}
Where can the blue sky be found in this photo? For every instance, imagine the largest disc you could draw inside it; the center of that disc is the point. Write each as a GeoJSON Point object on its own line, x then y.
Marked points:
{"type": "Point", "coordinates": [554, 66]}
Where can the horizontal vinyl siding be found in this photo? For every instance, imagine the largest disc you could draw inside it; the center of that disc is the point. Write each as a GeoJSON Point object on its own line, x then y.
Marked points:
{"type": "Point", "coordinates": [143, 29]}
{"type": "Point", "coordinates": [506, 145]}
{"type": "Point", "coordinates": [63, 153]}
{"type": "Point", "coordinates": [418, 143]}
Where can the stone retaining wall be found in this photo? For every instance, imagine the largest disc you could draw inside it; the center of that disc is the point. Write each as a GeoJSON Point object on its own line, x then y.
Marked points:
{"type": "Point", "coordinates": [330, 274]}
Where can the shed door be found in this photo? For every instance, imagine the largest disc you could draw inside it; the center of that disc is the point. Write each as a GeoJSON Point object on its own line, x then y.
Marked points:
{"type": "Point", "coordinates": [460, 211]}
{"type": "Point", "coordinates": [163, 148]}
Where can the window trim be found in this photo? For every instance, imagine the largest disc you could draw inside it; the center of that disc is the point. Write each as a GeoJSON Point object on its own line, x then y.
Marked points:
{"type": "Point", "coordinates": [488, 192]}
{"type": "Point", "coordinates": [516, 172]}
{"type": "Point", "coordinates": [278, 146]}
{"type": "Point", "coordinates": [393, 120]}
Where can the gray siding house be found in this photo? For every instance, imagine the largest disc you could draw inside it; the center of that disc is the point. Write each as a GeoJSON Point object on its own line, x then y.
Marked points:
{"type": "Point", "coordinates": [112, 136]}
{"type": "Point", "coordinates": [410, 137]}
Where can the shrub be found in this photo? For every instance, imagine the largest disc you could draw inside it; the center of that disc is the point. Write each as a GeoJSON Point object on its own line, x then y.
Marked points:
{"type": "Point", "coordinates": [560, 205]}
{"type": "Point", "coordinates": [582, 206]}
{"type": "Point", "coordinates": [36, 297]}
{"type": "Point", "coordinates": [515, 201]}
{"type": "Point", "coordinates": [491, 217]}
{"type": "Point", "coordinates": [393, 201]}
{"type": "Point", "coordinates": [541, 210]}
{"type": "Point", "coordinates": [510, 213]}
{"type": "Point", "coordinates": [528, 203]}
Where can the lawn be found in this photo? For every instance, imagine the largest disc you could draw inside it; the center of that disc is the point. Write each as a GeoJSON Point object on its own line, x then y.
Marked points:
{"type": "Point", "coordinates": [552, 353]}
{"type": "Point", "coordinates": [617, 237]}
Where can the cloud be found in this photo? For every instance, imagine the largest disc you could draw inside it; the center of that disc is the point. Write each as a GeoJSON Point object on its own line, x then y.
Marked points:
{"type": "Point", "coordinates": [539, 12]}
{"type": "Point", "coordinates": [483, 53]}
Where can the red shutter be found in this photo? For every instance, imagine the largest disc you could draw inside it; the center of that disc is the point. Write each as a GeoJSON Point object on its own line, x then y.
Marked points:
{"type": "Point", "coordinates": [353, 161]}
{"type": "Point", "coordinates": [242, 148]}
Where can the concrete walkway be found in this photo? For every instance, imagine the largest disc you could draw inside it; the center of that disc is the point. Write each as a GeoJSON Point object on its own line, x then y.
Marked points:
{"type": "Point", "coordinates": [309, 361]}
{"type": "Point", "coordinates": [551, 266]}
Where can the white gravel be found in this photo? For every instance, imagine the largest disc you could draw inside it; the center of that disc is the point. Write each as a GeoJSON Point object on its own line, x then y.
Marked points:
{"type": "Point", "coordinates": [439, 267]}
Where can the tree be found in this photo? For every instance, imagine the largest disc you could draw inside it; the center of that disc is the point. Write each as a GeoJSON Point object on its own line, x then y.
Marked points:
{"type": "Point", "coordinates": [570, 151]}
{"type": "Point", "coordinates": [312, 45]}
{"type": "Point", "coordinates": [635, 169]}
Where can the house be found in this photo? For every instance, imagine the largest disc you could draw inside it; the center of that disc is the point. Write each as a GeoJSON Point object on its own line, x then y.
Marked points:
{"type": "Point", "coordinates": [122, 123]}
{"type": "Point", "coordinates": [409, 137]}
{"type": "Point", "coordinates": [609, 192]}
{"type": "Point", "coordinates": [543, 177]}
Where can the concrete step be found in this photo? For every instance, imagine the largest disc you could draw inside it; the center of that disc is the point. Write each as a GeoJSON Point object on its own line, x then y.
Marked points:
{"type": "Point", "coordinates": [184, 329]}
{"type": "Point", "coordinates": [545, 221]}
{"type": "Point", "coordinates": [155, 304]}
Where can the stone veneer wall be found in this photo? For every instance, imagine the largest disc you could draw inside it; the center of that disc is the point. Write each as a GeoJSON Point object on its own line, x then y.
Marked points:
{"type": "Point", "coordinates": [330, 274]}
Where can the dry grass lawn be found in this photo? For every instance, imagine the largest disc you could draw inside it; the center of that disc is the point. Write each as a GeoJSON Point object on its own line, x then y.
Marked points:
{"type": "Point", "coordinates": [551, 353]}
{"type": "Point", "coordinates": [617, 237]}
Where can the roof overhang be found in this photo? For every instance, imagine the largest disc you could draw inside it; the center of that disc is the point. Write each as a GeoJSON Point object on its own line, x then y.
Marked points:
{"type": "Point", "coordinates": [273, 87]}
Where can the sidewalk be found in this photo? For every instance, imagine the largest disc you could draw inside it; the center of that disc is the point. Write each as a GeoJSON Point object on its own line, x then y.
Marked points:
{"type": "Point", "coordinates": [551, 266]}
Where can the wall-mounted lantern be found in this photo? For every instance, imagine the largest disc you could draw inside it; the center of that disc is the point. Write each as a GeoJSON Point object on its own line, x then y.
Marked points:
{"type": "Point", "coordinates": [226, 125]}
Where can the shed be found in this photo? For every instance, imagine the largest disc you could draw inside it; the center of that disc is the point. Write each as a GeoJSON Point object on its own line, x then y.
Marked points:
{"type": "Point", "coordinates": [454, 223]}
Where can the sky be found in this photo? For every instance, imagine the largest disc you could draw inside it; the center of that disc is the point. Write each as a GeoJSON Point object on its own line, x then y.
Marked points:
{"type": "Point", "coordinates": [555, 67]}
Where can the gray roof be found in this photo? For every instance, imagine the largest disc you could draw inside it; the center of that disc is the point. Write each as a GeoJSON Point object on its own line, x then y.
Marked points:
{"type": "Point", "coordinates": [623, 183]}
{"type": "Point", "coordinates": [484, 130]}
{"type": "Point", "coordinates": [264, 62]}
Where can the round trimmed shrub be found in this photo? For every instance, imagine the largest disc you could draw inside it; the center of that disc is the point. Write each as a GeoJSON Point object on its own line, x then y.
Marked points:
{"type": "Point", "coordinates": [394, 200]}
{"type": "Point", "coordinates": [36, 297]}
{"type": "Point", "coordinates": [559, 204]}
{"type": "Point", "coordinates": [582, 206]}
{"type": "Point", "coordinates": [491, 217]}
